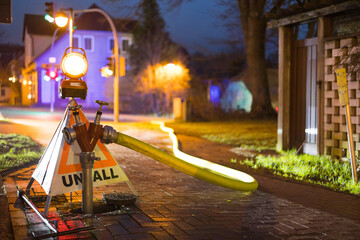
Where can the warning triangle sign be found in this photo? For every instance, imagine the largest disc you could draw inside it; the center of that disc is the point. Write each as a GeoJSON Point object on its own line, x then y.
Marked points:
{"type": "Point", "coordinates": [59, 170]}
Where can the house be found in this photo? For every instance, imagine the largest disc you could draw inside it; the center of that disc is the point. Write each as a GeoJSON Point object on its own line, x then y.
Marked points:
{"type": "Point", "coordinates": [312, 45]}
{"type": "Point", "coordinates": [9, 87]}
{"type": "Point", "coordinates": [44, 45]}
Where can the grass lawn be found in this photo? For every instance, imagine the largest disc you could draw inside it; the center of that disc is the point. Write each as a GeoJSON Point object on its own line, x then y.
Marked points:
{"type": "Point", "coordinates": [17, 150]}
{"type": "Point", "coordinates": [319, 170]}
{"type": "Point", "coordinates": [255, 133]}
{"type": "Point", "coordinates": [259, 135]}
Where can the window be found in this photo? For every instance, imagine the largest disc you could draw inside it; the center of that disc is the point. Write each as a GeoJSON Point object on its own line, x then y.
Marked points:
{"type": "Point", "coordinates": [125, 45]}
{"type": "Point", "coordinates": [305, 30]}
{"type": "Point", "coordinates": [76, 41]}
{"type": "Point", "coordinates": [3, 92]}
{"type": "Point", "coordinates": [111, 44]}
{"type": "Point", "coordinates": [89, 43]}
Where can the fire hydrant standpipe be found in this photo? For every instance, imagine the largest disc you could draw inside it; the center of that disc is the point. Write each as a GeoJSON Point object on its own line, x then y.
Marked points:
{"type": "Point", "coordinates": [87, 139]}
{"type": "Point", "coordinates": [87, 164]}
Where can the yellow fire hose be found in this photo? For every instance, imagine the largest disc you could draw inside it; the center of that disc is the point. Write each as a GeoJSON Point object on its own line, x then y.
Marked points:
{"type": "Point", "coordinates": [202, 169]}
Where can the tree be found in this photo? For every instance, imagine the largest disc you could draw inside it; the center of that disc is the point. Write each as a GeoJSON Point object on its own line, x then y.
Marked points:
{"type": "Point", "coordinates": [253, 22]}
{"type": "Point", "coordinates": [254, 15]}
{"type": "Point", "coordinates": [151, 50]}
{"type": "Point", "coordinates": [164, 81]}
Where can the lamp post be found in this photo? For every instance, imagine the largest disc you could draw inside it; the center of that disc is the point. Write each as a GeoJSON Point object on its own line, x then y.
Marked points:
{"type": "Point", "coordinates": [52, 100]}
{"type": "Point", "coordinates": [116, 51]}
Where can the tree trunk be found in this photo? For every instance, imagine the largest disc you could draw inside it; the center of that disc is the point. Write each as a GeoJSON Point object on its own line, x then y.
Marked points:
{"type": "Point", "coordinates": [253, 23]}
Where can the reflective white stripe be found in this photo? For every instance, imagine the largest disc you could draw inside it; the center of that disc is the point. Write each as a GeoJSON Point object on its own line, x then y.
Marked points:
{"type": "Point", "coordinates": [313, 131]}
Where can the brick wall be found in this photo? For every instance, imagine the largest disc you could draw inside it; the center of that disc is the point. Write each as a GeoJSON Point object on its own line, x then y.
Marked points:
{"type": "Point", "coordinates": [338, 54]}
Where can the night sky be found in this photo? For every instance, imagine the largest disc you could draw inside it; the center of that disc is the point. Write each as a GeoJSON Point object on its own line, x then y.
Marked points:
{"type": "Point", "coordinates": [193, 25]}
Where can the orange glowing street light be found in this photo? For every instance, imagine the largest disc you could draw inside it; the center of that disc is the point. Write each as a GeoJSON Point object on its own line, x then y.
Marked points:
{"type": "Point", "coordinates": [61, 19]}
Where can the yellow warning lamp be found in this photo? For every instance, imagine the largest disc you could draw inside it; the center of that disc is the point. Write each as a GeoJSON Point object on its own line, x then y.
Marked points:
{"type": "Point", "coordinates": [74, 65]}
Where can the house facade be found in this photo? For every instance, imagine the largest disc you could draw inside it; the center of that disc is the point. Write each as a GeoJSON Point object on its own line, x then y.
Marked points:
{"type": "Point", "coordinates": [46, 47]}
{"type": "Point", "coordinates": [312, 45]}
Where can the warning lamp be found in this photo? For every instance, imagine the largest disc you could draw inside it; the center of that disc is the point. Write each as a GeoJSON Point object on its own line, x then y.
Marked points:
{"type": "Point", "coordinates": [74, 65]}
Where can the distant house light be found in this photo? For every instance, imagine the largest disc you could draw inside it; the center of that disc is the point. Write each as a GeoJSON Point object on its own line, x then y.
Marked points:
{"type": "Point", "coordinates": [215, 94]}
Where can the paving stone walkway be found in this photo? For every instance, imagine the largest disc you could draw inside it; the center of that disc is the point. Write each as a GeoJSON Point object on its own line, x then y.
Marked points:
{"type": "Point", "coordinates": [174, 205]}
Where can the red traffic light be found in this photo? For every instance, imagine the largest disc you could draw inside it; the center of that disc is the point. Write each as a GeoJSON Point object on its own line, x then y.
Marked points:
{"type": "Point", "coordinates": [52, 73]}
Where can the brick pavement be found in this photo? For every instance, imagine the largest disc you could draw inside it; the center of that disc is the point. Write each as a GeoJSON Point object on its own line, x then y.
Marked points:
{"type": "Point", "coordinates": [174, 205]}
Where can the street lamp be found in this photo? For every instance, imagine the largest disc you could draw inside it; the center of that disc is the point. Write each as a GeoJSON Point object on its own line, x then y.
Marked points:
{"type": "Point", "coordinates": [116, 49]}
{"type": "Point", "coordinates": [61, 19]}
{"type": "Point", "coordinates": [173, 69]}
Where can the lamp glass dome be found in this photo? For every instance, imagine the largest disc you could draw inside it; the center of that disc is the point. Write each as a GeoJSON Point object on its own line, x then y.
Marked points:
{"type": "Point", "coordinates": [74, 65]}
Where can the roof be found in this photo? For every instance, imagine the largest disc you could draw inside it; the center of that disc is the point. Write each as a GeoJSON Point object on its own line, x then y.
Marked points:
{"type": "Point", "coordinates": [86, 21]}
{"type": "Point", "coordinates": [96, 21]}
{"type": "Point", "coordinates": [36, 24]}
{"type": "Point", "coordinates": [315, 13]}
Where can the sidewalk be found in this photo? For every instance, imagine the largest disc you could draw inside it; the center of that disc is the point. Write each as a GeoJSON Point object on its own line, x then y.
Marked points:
{"type": "Point", "coordinates": [174, 205]}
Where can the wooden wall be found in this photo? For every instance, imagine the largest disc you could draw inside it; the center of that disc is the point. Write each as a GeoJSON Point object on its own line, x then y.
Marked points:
{"type": "Point", "coordinates": [337, 53]}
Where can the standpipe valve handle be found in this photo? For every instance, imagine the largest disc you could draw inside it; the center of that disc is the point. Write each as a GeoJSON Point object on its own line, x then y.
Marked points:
{"type": "Point", "coordinates": [99, 113]}
{"type": "Point", "coordinates": [75, 110]}
{"type": "Point", "coordinates": [101, 103]}
{"type": "Point", "coordinates": [69, 133]}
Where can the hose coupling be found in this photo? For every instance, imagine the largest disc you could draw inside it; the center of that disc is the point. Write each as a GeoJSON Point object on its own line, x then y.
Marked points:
{"type": "Point", "coordinates": [109, 135]}
{"type": "Point", "coordinates": [69, 135]}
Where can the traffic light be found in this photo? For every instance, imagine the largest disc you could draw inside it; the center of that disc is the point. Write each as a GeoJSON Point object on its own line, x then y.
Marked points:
{"type": "Point", "coordinates": [110, 63]}
{"type": "Point", "coordinates": [122, 66]}
{"type": "Point", "coordinates": [5, 11]}
{"type": "Point", "coordinates": [49, 11]}
{"type": "Point", "coordinates": [51, 74]}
